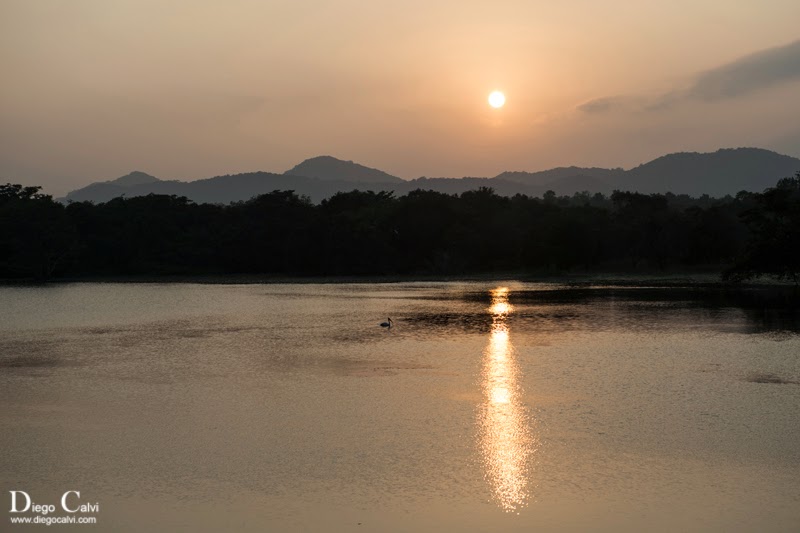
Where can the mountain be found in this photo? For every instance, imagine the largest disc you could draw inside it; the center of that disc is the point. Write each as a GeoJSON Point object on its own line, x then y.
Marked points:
{"type": "Point", "coordinates": [102, 191]}
{"type": "Point", "coordinates": [726, 171]}
{"type": "Point", "coordinates": [459, 185]}
{"type": "Point", "coordinates": [238, 187]}
{"type": "Point", "coordinates": [326, 167]}
{"type": "Point", "coordinates": [556, 175]}
{"type": "Point", "coordinates": [134, 178]}
{"type": "Point", "coordinates": [569, 185]}
{"type": "Point", "coordinates": [219, 189]}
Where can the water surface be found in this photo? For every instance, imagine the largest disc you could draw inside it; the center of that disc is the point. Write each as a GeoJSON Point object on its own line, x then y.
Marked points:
{"type": "Point", "coordinates": [488, 407]}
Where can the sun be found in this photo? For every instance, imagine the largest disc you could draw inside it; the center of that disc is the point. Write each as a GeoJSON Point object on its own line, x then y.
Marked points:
{"type": "Point", "coordinates": [497, 99]}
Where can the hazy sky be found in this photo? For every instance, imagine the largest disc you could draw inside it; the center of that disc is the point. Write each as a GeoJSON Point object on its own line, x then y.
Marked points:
{"type": "Point", "coordinates": [92, 89]}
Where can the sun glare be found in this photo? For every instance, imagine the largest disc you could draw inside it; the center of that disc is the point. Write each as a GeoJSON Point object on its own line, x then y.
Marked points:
{"type": "Point", "coordinates": [497, 99]}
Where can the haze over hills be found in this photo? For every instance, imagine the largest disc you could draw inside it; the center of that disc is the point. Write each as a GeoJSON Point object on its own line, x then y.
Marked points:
{"type": "Point", "coordinates": [717, 174]}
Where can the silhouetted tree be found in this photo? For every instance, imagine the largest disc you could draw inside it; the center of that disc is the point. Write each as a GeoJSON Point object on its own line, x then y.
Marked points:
{"type": "Point", "coordinates": [358, 233]}
{"type": "Point", "coordinates": [423, 223]}
{"type": "Point", "coordinates": [271, 233]}
{"type": "Point", "coordinates": [375, 233]}
{"type": "Point", "coordinates": [35, 233]}
{"type": "Point", "coordinates": [774, 222]}
{"type": "Point", "coordinates": [652, 233]}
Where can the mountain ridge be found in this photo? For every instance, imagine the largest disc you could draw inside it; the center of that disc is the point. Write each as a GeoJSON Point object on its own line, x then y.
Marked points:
{"type": "Point", "coordinates": [751, 169]}
{"type": "Point", "coordinates": [554, 174]}
{"type": "Point", "coordinates": [327, 167]}
{"type": "Point", "coordinates": [724, 172]}
{"type": "Point", "coordinates": [136, 177]}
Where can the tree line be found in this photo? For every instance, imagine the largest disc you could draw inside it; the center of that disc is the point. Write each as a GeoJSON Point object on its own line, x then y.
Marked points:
{"type": "Point", "coordinates": [420, 233]}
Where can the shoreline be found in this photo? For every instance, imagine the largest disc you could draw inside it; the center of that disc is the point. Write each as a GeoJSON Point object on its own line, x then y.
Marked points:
{"type": "Point", "coordinates": [624, 279]}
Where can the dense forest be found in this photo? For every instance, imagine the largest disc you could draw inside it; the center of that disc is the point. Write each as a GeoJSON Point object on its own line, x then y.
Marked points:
{"type": "Point", "coordinates": [421, 233]}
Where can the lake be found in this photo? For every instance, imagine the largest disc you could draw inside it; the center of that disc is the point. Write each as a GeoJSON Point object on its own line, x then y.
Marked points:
{"type": "Point", "coordinates": [489, 406]}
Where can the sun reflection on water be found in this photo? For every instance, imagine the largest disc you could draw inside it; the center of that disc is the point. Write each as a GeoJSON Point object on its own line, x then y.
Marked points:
{"type": "Point", "coordinates": [505, 439]}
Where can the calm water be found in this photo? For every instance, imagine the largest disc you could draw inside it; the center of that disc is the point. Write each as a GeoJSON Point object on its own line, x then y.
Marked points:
{"type": "Point", "coordinates": [488, 407]}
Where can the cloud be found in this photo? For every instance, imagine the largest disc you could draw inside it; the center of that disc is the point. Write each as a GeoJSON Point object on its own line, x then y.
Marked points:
{"type": "Point", "coordinates": [744, 76]}
{"type": "Point", "coordinates": [601, 105]}
{"type": "Point", "coordinates": [749, 74]}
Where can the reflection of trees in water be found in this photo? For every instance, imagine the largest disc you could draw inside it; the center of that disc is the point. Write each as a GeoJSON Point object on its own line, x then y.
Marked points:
{"type": "Point", "coordinates": [746, 309]}
{"type": "Point", "coordinates": [766, 320]}
{"type": "Point", "coordinates": [30, 353]}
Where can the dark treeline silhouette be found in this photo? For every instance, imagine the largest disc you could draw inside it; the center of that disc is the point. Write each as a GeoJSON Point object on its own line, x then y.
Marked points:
{"type": "Point", "coordinates": [421, 233]}
{"type": "Point", "coordinates": [774, 225]}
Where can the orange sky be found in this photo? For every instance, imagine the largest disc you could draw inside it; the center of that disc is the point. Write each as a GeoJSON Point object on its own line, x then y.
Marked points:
{"type": "Point", "coordinates": [92, 89]}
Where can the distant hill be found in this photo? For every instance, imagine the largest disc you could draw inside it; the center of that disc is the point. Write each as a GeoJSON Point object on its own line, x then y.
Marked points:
{"type": "Point", "coordinates": [134, 178]}
{"type": "Point", "coordinates": [726, 171]}
{"type": "Point", "coordinates": [580, 182]}
{"type": "Point", "coordinates": [556, 175]}
{"type": "Point", "coordinates": [459, 185]}
{"type": "Point", "coordinates": [219, 189]}
{"type": "Point", "coordinates": [102, 191]}
{"type": "Point", "coordinates": [238, 187]}
{"type": "Point", "coordinates": [326, 167]}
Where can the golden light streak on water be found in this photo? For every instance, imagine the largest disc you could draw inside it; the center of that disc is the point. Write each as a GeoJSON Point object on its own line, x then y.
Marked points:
{"type": "Point", "coordinates": [505, 440]}
{"type": "Point", "coordinates": [500, 308]}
